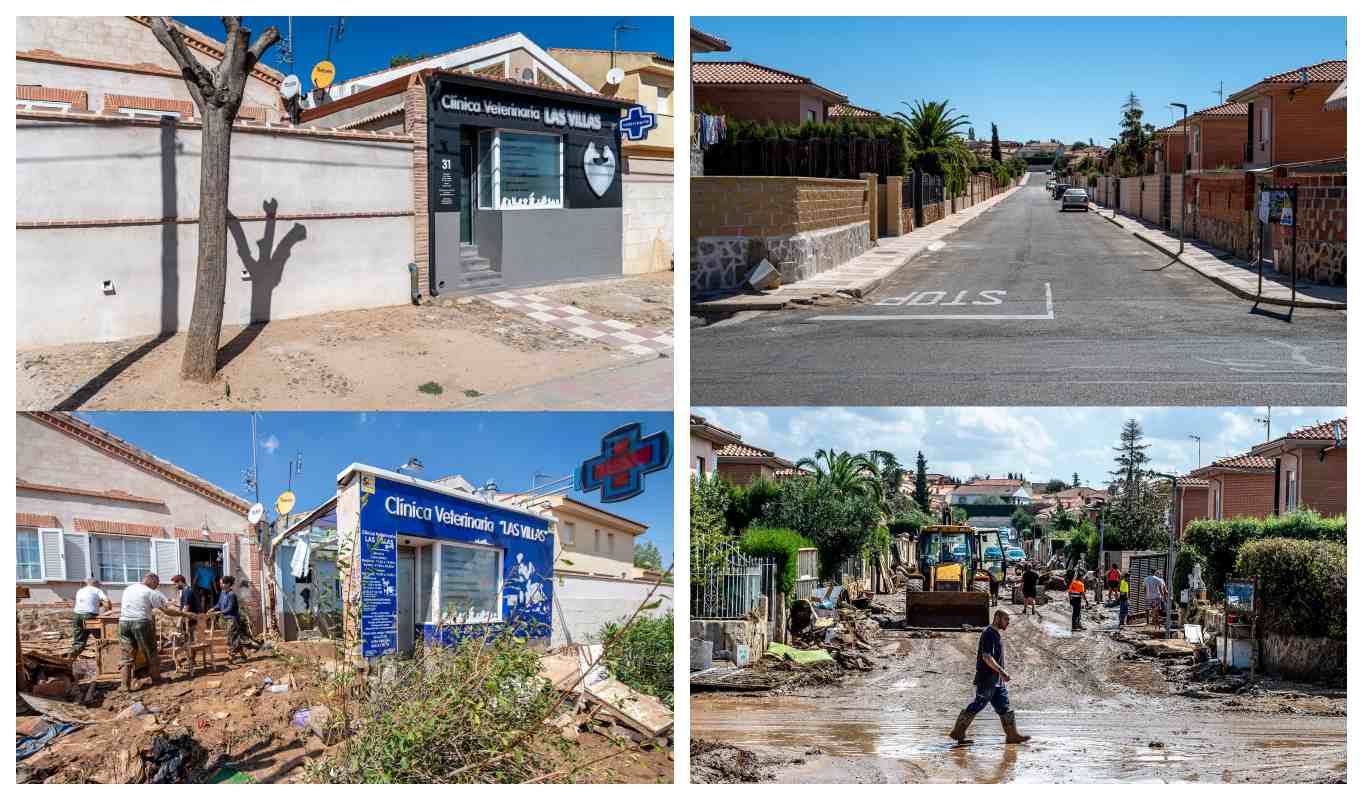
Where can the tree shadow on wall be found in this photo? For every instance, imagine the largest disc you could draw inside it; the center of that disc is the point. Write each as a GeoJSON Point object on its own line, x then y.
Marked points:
{"type": "Point", "coordinates": [266, 268]}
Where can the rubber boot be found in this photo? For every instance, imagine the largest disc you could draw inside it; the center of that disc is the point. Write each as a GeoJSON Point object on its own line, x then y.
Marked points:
{"type": "Point", "coordinates": [963, 721]}
{"type": "Point", "coordinates": [1010, 729]}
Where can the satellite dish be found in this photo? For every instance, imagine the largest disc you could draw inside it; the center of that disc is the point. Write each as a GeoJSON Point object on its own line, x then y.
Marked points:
{"type": "Point", "coordinates": [322, 74]}
{"type": "Point", "coordinates": [284, 503]}
{"type": "Point", "coordinates": [289, 88]}
{"type": "Point", "coordinates": [257, 511]}
{"type": "Point", "coordinates": [615, 76]}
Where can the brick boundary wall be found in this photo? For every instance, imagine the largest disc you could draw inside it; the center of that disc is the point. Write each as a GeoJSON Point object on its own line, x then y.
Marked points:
{"type": "Point", "coordinates": [1221, 217]}
{"type": "Point", "coordinates": [1322, 221]}
{"type": "Point", "coordinates": [1150, 198]}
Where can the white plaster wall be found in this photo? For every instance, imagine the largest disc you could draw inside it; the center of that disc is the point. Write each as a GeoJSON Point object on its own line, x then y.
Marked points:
{"type": "Point", "coordinates": [83, 171]}
{"type": "Point", "coordinates": [647, 223]}
{"type": "Point", "coordinates": [589, 603]}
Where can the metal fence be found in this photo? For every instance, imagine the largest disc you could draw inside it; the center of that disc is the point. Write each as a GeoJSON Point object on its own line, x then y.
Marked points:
{"type": "Point", "coordinates": [807, 573]}
{"type": "Point", "coordinates": [729, 584]}
{"type": "Point", "coordinates": [1142, 565]}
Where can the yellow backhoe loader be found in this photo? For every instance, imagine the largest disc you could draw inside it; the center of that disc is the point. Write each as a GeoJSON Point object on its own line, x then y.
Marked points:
{"type": "Point", "coordinates": [948, 588]}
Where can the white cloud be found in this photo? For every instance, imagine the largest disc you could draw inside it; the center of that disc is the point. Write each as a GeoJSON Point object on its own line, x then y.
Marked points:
{"type": "Point", "coordinates": [270, 443]}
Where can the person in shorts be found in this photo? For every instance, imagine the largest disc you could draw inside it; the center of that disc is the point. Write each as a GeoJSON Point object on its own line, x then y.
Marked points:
{"type": "Point", "coordinates": [1114, 579]}
{"type": "Point", "coordinates": [1030, 579]}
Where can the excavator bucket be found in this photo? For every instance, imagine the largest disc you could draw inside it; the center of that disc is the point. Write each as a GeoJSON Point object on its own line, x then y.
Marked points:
{"type": "Point", "coordinates": [945, 609]}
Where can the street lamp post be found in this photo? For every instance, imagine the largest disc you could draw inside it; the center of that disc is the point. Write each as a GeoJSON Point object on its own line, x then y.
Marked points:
{"type": "Point", "coordinates": [1184, 171]}
{"type": "Point", "coordinates": [1169, 558]}
{"type": "Point", "coordinates": [1197, 439]}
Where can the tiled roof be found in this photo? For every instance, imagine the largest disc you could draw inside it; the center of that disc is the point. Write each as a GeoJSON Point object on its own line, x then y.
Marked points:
{"type": "Point", "coordinates": [121, 528]}
{"type": "Point", "coordinates": [435, 56]}
{"type": "Point", "coordinates": [395, 111]}
{"type": "Point", "coordinates": [1321, 430]}
{"type": "Point", "coordinates": [26, 520]}
{"type": "Point", "coordinates": [742, 72]}
{"type": "Point", "coordinates": [1324, 72]}
{"type": "Point", "coordinates": [1240, 462]}
{"type": "Point", "coordinates": [1225, 110]}
{"type": "Point", "coordinates": [741, 450]}
{"type": "Point", "coordinates": [849, 110]}
{"type": "Point", "coordinates": [716, 44]}
{"type": "Point", "coordinates": [1189, 482]}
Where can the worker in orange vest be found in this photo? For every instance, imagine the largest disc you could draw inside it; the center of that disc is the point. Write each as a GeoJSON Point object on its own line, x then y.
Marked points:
{"type": "Point", "coordinates": [1076, 602]}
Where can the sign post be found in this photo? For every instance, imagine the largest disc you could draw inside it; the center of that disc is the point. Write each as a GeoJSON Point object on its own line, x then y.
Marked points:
{"type": "Point", "coordinates": [1277, 206]}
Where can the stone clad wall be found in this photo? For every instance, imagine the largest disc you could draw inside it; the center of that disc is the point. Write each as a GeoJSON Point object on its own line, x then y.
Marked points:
{"type": "Point", "coordinates": [1322, 217]}
{"type": "Point", "coordinates": [803, 226]}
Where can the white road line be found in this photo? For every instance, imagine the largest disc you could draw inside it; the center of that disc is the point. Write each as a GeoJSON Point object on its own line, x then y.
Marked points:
{"type": "Point", "coordinates": [1049, 315]}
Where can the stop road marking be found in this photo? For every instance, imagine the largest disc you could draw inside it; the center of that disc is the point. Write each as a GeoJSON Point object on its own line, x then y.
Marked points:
{"type": "Point", "coordinates": [991, 297]}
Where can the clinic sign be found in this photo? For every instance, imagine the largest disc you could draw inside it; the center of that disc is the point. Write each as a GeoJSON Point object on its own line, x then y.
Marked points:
{"type": "Point", "coordinates": [438, 513]}
{"type": "Point", "coordinates": [549, 116]}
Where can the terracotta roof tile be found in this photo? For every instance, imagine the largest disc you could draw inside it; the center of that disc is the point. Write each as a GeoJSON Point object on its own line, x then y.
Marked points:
{"type": "Point", "coordinates": [1324, 72]}
{"type": "Point", "coordinates": [716, 44]}
{"type": "Point", "coordinates": [1321, 430]}
{"type": "Point", "coordinates": [1224, 110]}
{"type": "Point", "coordinates": [740, 450]}
{"type": "Point", "coordinates": [26, 520]}
{"type": "Point", "coordinates": [1189, 482]}
{"type": "Point", "coordinates": [1240, 462]}
{"type": "Point", "coordinates": [849, 110]}
{"type": "Point", "coordinates": [703, 72]}
{"type": "Point", "coordinates": [119, 528]}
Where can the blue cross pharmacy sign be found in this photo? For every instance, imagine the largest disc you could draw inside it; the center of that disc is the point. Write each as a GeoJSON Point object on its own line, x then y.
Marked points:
{"type": "Point", "coordinates": [637, 122]}
{"type": "Point", "coordinates": [626, 457]}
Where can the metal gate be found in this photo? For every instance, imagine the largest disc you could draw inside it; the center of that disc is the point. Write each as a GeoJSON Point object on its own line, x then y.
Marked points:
{"type": "Point", "coordinates": [1141, 566]}
{"type": "Point", "coordinates": [729, 584]}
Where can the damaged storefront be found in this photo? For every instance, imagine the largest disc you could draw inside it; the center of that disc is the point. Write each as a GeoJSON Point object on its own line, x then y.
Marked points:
{"type": "Point", "coordinates": [413, 562]}
{"type": "Point", "coordinates": [524, 184]}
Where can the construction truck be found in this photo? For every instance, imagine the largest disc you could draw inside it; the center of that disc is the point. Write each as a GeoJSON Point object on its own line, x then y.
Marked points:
{"type": "Point", "coordinates": [990, 543]}
{"type": "Point", "coordinates": [949, 588]}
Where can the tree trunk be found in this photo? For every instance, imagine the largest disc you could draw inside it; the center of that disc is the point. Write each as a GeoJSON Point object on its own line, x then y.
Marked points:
{"type": "Point", "coordinates": [210, 282]}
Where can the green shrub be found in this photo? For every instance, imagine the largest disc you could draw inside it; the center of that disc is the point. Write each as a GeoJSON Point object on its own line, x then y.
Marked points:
{"type": "Point", "coordinates": [746, 503]}
{"type": "Point", "coordinates": [1302, 585]}
{"type": "Point", "coordinates": [781, 544]}
{"type": "Point", "coordinates": [641, 656]}
{"type": "Point", "coordinates": [1218, 541]}
{"type": "Point", "coordinates": [1184, 562]}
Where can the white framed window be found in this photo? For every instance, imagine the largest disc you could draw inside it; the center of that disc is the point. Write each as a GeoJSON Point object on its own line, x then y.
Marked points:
{"type": "Point", "coordinates": [664, 99]}
{"type": "Point", "coordinates": [41, 105]}
{"type": "Point", "coordinates": [148, 113]}
{"type": "Point", "coordinates": [569, 532]}
{"type": "Point", "coordinates": [596, 540]}
{"type": "Point", "coordinates": [470, 580]}
{"type": "Point", "coordinates": [519, 170]}
{"type": "Point", "coordinates": [29, 556]}
{"type": "Point", "coordinates": [1290, 495]}
{"type": "Point", "coordinates": [122, 559]}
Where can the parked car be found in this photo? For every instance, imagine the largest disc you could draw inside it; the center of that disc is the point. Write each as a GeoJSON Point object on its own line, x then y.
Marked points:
{"type": "Point", "coordinates": [1060, 189]}
{"type": "Point", "coordinates": [1074, 198]}
{"type": "Point", "coordinates": [1050, 186]}
{"type": "Point", "coordinates": [1015, 555]}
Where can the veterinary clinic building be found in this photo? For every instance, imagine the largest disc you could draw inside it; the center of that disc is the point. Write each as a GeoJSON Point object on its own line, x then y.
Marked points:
{"type": "Point", "coordinates": [423, 562]}
{"type": "Point", "coordinates": [89, 503]}
{"type": "Point", "coordinates": [514, 183]}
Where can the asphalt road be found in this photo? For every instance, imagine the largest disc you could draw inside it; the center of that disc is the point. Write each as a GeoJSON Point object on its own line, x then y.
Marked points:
{"type": "Point", "coordinates": [1028, 306]}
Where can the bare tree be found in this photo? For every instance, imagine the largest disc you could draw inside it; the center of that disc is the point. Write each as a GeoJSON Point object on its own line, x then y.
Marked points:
{"type": "Point", "coordinates": [217, 93]}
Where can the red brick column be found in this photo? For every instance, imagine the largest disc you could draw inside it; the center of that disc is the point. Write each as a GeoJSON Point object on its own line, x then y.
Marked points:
{"type": "Point", "coordinates": [414, 101]}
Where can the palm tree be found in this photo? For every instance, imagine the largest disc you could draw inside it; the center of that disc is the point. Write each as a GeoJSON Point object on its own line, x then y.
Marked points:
{"type": "Point", "coordinates": [843, 473]}
{"type": "Point", "coordinates": [889, 473]}
{"type": "Point", "coordinates": [934, 141]}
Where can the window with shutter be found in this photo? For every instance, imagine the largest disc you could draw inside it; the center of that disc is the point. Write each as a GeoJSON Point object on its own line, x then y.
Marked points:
{"type": "Point", "coordinates": [54, 559]}
{"type": "Point", "coordinates": [29, 557]}
{"type": "Point", "coordinates": [77, 546]}
{"type": "Point", "coordinates": [122, 559]}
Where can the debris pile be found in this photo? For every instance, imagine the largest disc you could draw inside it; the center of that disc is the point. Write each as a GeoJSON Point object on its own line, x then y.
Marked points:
{"type": "Point", "coordinates": [596, 700]}
{"type": "Point", "coordinates": [713, 762]}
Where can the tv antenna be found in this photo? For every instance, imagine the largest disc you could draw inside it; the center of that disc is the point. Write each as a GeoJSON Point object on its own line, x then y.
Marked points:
{"type": "Point", "coordinates": [1220, 92]}
{"type": "Point", "coordinates": [335, 31]}
{"type": "Point", "coordinates": [285, 52]}
{"type": "Point", "coordinates": [295, 467]}
{"type": "Point", "coordinates": [619, 28]}
{"type": "Point", "coordinates": [1267, 420]}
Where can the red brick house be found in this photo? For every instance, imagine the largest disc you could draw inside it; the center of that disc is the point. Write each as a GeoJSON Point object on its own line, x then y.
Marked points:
{"type": "Point", "coordinates": [744, 90]}
{"type": "Point", "coordinates": [1170, 154]}
{"type": "Point", "coordinates": [1238, 486]}
{"type": "Point", "coordinates": [742, 464]}
{"type": "Point", "coordinates": [1217, 136]}
{"type": "Point", "coordinates": [1287, 121]}
{"type": "Point", "coordinates": [1191, 501]}
{"type": "Point", "coordinates": [1310, 468]}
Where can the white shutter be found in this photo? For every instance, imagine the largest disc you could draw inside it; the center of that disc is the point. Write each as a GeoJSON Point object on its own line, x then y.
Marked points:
{"type": "Point", "coordinates": [53, 554]}
{"type": "Point", "coordinates": [165, 558]}
{"type": "Point", "coordinates": [77, 549]}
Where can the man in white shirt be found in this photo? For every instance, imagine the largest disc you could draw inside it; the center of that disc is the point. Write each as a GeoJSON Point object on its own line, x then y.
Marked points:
{"type": "Point", "coordinates": [89, 601]}
{"type": "Point", "coordinates": [1156, 594]}
{"type": "Point", "coordinates": [137, 626]}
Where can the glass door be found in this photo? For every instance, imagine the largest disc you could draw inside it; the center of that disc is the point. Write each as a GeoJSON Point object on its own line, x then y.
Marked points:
{"type": "Point", "coordinates": [466, 188]}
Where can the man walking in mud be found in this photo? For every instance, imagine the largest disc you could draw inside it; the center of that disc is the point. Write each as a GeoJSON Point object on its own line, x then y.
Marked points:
{"type": "Point", "coordinates": [990, 688]}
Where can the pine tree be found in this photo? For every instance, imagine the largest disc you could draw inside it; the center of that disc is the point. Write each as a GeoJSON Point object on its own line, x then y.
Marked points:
{"type": "Point", "coordinates": [1076, 483]}
{"type": "Point", "coordinates": [920, 484]}
{"type": "Point", "coordinates": [1131, 458]}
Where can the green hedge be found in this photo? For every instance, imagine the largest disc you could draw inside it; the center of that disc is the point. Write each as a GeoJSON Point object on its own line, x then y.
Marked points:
{"type": "Point", "coordinates": [1218, 541]}
{"type": "Point", "coordinates": [1302, 585]}
{"type": "Point", "coordinates": [779, 543]}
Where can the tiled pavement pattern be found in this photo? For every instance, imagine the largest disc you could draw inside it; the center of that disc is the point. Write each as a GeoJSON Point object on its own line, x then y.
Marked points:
{"type": "Point", "coordinates": [621, 335]}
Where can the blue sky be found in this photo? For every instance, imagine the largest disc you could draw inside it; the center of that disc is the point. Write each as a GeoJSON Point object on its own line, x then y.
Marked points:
{"type": "Point", "coordinates": [1041, 443]}
{"type": "Point", "coordinates": [1038, 78]}
{"type": "Point", "coordinates": [507, 447]}
{"type": "Point", "coordinates": [368, 42]}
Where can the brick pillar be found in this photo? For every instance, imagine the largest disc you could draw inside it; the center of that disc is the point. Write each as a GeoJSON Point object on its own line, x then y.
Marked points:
{"type": "Point", "coordinates": [414, 108]}
{"type": "Point", "coordinates": [872, 192]}
{"type": "Point", "coordinates": [894, 205]}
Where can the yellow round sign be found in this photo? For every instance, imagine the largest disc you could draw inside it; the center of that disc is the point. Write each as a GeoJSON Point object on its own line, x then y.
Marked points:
{"type": "Point", "coordinates": [284, 504]}
{"type": "Point", "coordinates": [322, 74]}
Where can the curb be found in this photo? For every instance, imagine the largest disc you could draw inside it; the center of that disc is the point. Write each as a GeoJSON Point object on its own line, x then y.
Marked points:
{"type": "Point", "coordinates": [1230, 286]}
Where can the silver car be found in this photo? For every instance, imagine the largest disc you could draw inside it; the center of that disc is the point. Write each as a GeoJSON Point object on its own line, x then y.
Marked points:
{"type": "Point", "coordinates": [1075, 198]}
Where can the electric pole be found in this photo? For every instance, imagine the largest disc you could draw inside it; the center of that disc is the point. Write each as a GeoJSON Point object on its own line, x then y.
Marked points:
{"type": "Point", "coordinates": [1267, 420]}
{"type": "Point", "coordinates": [1197, 439]}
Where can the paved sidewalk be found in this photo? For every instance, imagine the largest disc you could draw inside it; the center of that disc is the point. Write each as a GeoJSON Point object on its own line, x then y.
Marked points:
{"type": "Point", "coordinates": [1238, 276]}
{"type": "Point", "coordinates": [643, 385]}
{"type": "Point", "coordinates": [860, 276]}
{"type": "Point", "coordinates": [625, 336]}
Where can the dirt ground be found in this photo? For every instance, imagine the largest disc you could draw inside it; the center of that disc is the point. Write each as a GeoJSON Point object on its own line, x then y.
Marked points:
{"type": "Point", "coordinates": [1097, 712]}
{"type": "Point", "coordinates": [254, 735]}
{"type": "Point", "coordinates": [435, 356]}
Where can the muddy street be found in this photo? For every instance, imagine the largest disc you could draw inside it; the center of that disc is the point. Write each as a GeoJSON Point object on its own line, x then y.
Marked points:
{"type": "Point", "coordinates": [1096, 711]}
